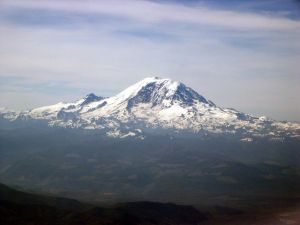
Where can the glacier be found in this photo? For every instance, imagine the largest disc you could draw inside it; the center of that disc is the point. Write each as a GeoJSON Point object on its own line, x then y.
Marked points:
{"type": "Point", "coordinates": [155, 105]}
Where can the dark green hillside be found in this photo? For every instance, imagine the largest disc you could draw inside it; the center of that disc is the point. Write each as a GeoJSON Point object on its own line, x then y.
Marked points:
{"type": "Point", "coordinates": [21, 208]}
{"type": "Point", "coordinates": [19, 197]}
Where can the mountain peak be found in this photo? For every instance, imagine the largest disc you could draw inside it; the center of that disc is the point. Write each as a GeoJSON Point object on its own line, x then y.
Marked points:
{"type": "Point", "coordinates": [153, 102]}
{"type": "Point", "coordinates": [155, 79]}
{"type": "Point", "coordinates": [91, 97]}
{"type": "Point", "coordinates": [161, 91]}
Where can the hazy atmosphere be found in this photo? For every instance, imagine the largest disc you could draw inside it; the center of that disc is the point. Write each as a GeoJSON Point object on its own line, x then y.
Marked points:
{"type": "Point", "coordinates": [149, 112]}
{"type": "Point", "coordinates": [241, 54]}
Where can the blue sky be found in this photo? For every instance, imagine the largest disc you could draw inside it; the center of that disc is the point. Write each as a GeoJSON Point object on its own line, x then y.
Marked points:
{"type": "Point", "coordinates": [241, 54]}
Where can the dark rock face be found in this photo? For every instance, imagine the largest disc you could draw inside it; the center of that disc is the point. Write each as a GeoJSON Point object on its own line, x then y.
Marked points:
{"type": "Point", "coordinates": [156, 93]}
{"type": "Point", "coordinates": [91, 98]}
{"type": "Point", "coordinates": [145, 95]}
{"type": "Point", "coordinates": [187, 96]}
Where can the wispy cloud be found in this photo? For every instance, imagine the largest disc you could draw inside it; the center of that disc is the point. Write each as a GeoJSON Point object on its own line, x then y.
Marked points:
{"type": "Point", "coordinates": [104, 46]}
{"type": "Point", "coordinates": [154, 12]}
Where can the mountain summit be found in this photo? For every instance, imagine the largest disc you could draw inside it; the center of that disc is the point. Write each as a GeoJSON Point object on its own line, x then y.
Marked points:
{"type": "Point", "coordinates": [155, 105]}
{"type": "Point", "coordinates": [159, 91]}
{"type": "Point", "coordinates": [90, 98]}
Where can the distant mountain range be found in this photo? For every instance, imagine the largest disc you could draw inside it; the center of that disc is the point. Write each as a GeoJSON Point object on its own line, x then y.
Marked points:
{"type": "Point", "coordinates": [155, 105]}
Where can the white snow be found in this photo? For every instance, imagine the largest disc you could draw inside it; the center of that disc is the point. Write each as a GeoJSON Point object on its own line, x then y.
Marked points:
{"type": "Point", "coordinates": [161, 107]}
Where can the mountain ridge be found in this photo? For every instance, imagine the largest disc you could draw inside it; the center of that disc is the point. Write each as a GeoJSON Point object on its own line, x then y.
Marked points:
{"type": "Point", "coordinates": [155, 103]}
{"type": "Point", "coordinates": [23, 208]}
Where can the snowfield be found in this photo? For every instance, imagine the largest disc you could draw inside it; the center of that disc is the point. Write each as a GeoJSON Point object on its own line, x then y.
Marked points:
{"type": "Point", "coordinates": [154, 103]}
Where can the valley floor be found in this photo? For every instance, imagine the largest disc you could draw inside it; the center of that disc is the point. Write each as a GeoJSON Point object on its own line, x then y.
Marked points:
{"type": "Point", "coordinates": [290, 216]}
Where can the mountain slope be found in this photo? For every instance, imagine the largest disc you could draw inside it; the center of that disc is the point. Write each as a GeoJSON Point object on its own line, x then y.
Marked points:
{"type": "Point", "coordinates": [155, 103]}
{"type": "Point", "coordinates": [24, 208]}
{"type": "Point", "coordinates": [20, 197]}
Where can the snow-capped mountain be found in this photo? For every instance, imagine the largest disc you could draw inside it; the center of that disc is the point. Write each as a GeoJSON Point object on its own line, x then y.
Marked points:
{"type": "Point", "coordinates": [154, 104]}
